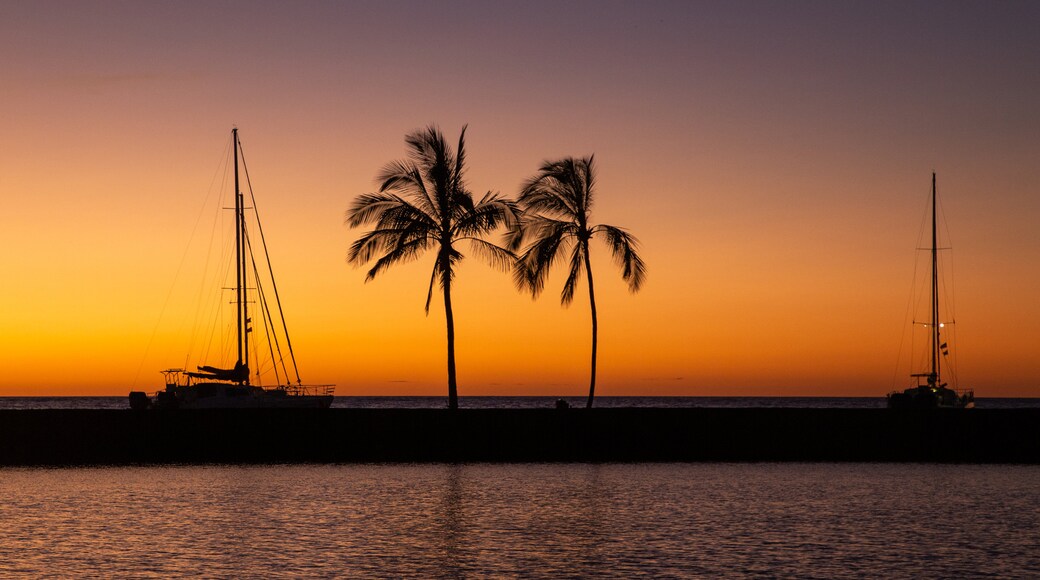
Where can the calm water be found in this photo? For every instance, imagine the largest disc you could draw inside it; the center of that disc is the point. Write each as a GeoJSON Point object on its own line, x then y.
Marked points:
{"type": "Point", "coordinates": [532, 402]}
{"type": "Point", "coordinates": [535, 520]}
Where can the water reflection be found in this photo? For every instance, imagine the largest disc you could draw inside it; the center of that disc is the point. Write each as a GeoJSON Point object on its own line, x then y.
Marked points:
{"type": "Point", "coordinates": [454, 521]}
{"type": "Point", "coordinates": [452, 518]}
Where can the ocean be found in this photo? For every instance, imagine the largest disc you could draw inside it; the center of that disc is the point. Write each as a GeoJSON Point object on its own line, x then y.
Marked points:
{"type": "Point", "coordinates": [537, 520]}
{"type": "Point", "coordinates": [539, 402]}
{"type": "Point", "coordinates": [523, 520]}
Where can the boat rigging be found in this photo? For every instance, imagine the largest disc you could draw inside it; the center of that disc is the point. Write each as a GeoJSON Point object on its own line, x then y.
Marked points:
{"type": "Point", "coordinates": [930, 390]}
{"type": "Point", "coordinates": [216, 387]}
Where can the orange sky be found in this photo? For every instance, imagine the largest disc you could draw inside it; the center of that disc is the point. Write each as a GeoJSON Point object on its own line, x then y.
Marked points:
{"type": "Point", "coordinates": [774, 160]}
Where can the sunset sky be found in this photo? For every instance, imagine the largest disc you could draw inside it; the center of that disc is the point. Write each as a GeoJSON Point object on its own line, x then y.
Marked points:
{"type": "Point", "coordinates": [774, 159]}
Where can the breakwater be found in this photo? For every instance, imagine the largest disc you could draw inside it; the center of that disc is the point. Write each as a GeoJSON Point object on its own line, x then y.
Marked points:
{"type": "Point", "coordinates": [115, 437]}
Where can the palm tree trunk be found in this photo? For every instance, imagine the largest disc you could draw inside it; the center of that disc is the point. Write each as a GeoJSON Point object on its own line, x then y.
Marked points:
{"type": "Point", "coordinates": [595, 326]}
{"type": "Point", "coordinates": [453, 392]}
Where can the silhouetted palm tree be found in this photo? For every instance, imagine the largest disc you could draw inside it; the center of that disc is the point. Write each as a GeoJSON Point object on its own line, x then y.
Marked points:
{"type": "Point", "coordinates": [557, 202]}
{"type": "Point", "coordinates": [423, 204]}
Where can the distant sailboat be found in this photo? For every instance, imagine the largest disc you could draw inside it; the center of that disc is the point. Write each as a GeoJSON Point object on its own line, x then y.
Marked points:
{"type": "Point", "coordinates": [930, 390]}
{"type": "Point", "coordinates": [211, 387]}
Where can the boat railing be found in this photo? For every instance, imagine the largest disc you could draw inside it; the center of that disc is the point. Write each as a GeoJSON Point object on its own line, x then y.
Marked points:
{"type": "Point", "coordinates": [178, 378]}
{"type": "Point", "coordinates": [959, 392]}
{"type": "Point", "coordinates": [310, 390]}
{"type": "Point", "coordinates": [173, 378]}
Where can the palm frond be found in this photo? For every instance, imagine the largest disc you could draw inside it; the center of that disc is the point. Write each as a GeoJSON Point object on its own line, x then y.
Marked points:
{"type": "Point", "coordinates": [426, 147]}
{"type": "Point", "coordinates": [460, 205]}
{"type": "Point", "coordinates": [624, 249]}
{"type": "Point", "coordinates": [400, 176]}
{"type": "Point", "coordinates": [460, 159]}
{"type": "Point", "coordinates": [429, 291]}
{"type": "Point", "coordinates": [371, 243]}
{"type": "Point", "coordinates": [406, 216]}
{"type": "Point", "coordinates": [551, 239]}
{"type": "Point", "coordinates": [429, 151]}
{"type": "Point", "coordinates": [495, 256]}
{"type": "Point", "coordinates": [545, 194]}
{"type": "Point", "coordinates": [404, 177]}
{"type": "Point", "coordinates": [523, 279]}
{"type": "Point", "coordinates": [490, 213]}
{"type": "Point", "coordinates": [588, 175]}
{"type": "Point", "coordinates": [514, 236]}
{"type": "Point", "coordinates": [404, 252]}
{"type": "Point", "coordinates": [578, 258]}
{"type": "Point", "coordinates": [561, 189]}
{"type": "Point", "coordinates": [368, 207]}
{"type": "Point", "coordinates": [571, 177]}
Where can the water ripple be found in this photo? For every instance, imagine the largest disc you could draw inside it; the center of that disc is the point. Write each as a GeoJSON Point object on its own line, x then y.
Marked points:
{"type": "Point", "coordinates": [536, 520]}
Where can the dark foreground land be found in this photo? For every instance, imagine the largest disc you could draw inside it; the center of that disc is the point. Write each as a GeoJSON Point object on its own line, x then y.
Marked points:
{"type": "Point", "coordinates": [113, 437]}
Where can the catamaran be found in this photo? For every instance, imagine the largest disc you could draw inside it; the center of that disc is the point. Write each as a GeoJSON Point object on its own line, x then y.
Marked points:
{"type": "Point", "coordinates": [212, 387]}
{"type": "Point", "coordinates": [930, 391]}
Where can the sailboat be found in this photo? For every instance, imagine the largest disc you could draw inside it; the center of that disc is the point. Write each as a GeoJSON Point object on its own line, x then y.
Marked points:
{"type": "Point", "coordinates": [930, 391]}
{"type": "Point", "coordinates": [212, 387]}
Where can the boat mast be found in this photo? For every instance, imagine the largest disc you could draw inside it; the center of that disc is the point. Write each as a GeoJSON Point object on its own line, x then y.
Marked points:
{"type": "Point", "coordinates": [935, 292]}
{"type": "Point", "coordinates": [240, 268]}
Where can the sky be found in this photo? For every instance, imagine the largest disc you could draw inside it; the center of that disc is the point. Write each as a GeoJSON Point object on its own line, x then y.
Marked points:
{"type": "Point", "coordinates": [773, 158]}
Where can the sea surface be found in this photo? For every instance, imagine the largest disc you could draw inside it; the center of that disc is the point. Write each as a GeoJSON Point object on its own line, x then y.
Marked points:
{"type": "Point", "coordinates": [537, 402]}
{"type": "Point", "coordinates": [523, 520]}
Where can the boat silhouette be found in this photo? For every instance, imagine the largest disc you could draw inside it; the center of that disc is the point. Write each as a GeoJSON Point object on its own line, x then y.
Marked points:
{"type": "Point", "coordinates": [930, 391]}
{"type": "Point", "coordinates": [212, 387]}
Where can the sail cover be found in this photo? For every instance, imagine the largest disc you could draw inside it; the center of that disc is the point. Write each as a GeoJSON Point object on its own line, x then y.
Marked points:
{"type": "Point", "coordinates": [238, 374]}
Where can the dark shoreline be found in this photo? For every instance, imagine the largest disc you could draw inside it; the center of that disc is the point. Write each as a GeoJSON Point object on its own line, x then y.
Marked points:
{"type": "Point", "coordinates": [121, 437]}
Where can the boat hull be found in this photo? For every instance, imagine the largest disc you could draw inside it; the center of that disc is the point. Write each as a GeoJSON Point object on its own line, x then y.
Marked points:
{"type": "Point", "coordinates": [925, 397]}
{"type": "Point", "coordinates": [230, 396]}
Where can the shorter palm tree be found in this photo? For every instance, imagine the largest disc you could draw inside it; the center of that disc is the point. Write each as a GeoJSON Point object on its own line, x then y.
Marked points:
{"type": "Point", "coordinates": [557, 202]}
{"type": "Point", "coordinates": [423, 204]}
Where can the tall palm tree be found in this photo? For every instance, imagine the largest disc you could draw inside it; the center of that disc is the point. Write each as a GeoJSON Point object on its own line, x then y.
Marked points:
{"type": "Point", "coordinates": [557, 202]}
{"type": "Point", "coordinates": [423, 204]}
